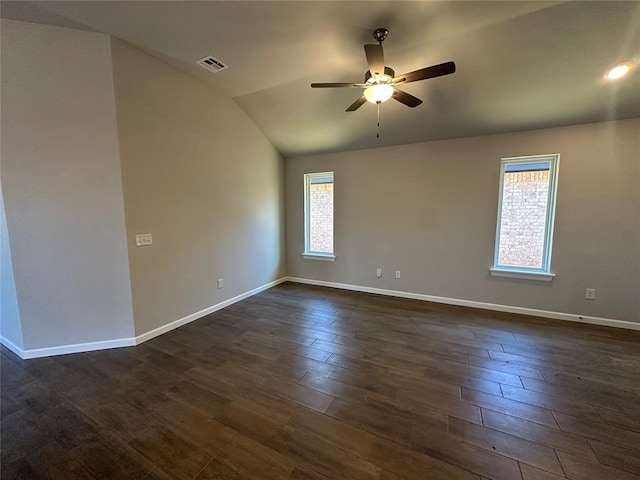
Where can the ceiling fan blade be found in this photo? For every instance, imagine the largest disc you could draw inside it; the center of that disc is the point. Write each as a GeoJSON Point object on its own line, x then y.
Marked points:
{"type": "Point", "coordinates": [338, 85]}
{"type": "Point", "coordinates": [404, 97]}
{"type": "Point", "coordinates": [426, 73]}
{"type": "Point", "coordinates": [357, 104]}
{"type": "Point", "coordinates": [375, 59]}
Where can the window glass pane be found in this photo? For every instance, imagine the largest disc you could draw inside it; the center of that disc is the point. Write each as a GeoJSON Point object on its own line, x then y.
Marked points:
{"type": "Point", "coordinates": [321, 217]}
{"type": "Point", "coordinates": [525, 197]}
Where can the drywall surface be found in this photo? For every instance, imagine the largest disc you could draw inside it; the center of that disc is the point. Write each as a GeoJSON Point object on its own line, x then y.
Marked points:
{"type": "Point", "coordinates": [204, 181]}
{"type": "Point", "coordinates": [10, 328]}
{"type": "Point", "coordinates": [429, 210]}
{"type": "Point", "coordinates": [62, 186]}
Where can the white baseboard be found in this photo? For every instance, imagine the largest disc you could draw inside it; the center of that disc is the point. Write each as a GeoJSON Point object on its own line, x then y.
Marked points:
{"type": "Point", "coordinates": [12, 346]}
{"type": "Point", "coordinates": [128, 342]}
{"type": "Point", "coordinates": [607, 322]}
{"type": "Point", "coordinates": [66, 349]}
{"type": "Point", "coordinates": [132, 341]}
{"type": "Point", "coordinates": [194, 316]}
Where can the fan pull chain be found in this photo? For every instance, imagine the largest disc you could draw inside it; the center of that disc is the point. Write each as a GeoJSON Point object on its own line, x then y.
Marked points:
{"type": "Point", "coordinates": [378, 131]}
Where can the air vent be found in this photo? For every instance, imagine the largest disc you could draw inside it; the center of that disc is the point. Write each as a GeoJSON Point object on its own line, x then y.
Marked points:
{"type": "Point", "coordinates": [212, 64]}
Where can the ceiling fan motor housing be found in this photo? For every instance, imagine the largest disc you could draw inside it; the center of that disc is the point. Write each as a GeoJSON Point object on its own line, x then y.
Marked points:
{"type": "Point", "coordinates": [387, 71]}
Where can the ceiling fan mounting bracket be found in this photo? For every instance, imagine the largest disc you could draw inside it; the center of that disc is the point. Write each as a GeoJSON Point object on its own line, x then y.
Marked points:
{"type": "Point", "coordinates": [380, 34]}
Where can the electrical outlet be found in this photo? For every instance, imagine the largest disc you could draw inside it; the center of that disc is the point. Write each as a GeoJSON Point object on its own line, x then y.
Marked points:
{"type": "Point", "coordinates": [143, 240]}
{"type": "Point", "coordinates": [220, 282]}
{"type": "Point", "coordinates": [397, 273]}
{"type": "Point", "coordinates": [378, 272]}
{"type": "Point", "coordinates": [590, 293]}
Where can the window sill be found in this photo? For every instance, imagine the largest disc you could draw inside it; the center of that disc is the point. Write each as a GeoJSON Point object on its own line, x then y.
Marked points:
{"type": "Point", "coordinates": [540, 276]}
{"type": "Point", "coordinates": [327, 257]}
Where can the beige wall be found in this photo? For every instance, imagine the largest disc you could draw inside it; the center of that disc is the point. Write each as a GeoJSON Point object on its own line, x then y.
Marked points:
{"type": "Point", "coordinates": [429, 210]}
{"type": "Point", "coordinates": [62, 186]}
{"type": "Point", "coordinates": [179, 161]}
{"type": "Point", "coordinates": [204, 181]}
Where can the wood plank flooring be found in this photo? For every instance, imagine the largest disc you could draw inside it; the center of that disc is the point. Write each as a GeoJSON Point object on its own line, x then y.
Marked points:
{"type": "Point", "coordinates": [311, 383]}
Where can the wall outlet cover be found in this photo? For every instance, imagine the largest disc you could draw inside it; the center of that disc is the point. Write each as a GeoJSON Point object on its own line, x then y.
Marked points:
{"type": "Point", "coordinates": [144, 239]}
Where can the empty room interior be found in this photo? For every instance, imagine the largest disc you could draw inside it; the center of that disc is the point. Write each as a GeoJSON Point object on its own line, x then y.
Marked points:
{"type": "Point", "coordinates": [320, 240]}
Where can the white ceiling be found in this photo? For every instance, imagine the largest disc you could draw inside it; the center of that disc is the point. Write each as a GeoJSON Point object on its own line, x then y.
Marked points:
{"type": "Point", "coordinates": [520, 65]}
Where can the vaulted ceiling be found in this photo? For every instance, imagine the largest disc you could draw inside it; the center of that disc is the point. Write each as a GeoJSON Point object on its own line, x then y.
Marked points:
{"type": "Point", "coordinates": [520, 65]}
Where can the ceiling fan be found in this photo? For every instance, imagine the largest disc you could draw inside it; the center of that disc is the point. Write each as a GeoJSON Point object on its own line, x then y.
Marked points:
{"type": "Point", "coordinates": [380, 81]}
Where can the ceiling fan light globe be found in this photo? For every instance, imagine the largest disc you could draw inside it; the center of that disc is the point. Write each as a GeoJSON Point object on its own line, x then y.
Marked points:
{"type": "Point", "coordinates": [619, 70]}
{"type": "Point", "coordinates": [378, 93]}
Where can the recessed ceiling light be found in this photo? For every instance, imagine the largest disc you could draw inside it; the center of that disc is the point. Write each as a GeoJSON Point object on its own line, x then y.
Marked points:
{"type": "Point", "coordinates": [619, 70]}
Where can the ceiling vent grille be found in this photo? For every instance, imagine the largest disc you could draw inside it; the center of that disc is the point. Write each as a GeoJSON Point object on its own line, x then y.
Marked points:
{"type": "Point", "coordinates": [212, 64]}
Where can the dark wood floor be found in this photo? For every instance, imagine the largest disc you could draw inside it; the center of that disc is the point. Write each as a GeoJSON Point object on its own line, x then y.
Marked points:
{"type": "Point", "coordinates": [310, 383]}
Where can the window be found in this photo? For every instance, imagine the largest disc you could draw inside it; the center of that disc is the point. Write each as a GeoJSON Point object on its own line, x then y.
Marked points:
{"type": "Point", "coordinates": [525, 217]}
{"type": "Point", "coordinates": [318, 216]}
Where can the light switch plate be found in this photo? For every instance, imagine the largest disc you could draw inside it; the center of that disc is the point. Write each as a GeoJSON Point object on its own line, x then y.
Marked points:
{"type": "Point", "coordinates": [143, 239]}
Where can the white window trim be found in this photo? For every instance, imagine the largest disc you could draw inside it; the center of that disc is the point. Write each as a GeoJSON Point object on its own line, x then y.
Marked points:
{"type": "Point", "coordinates": [513, 273]}
{"type": "Point", "coordinates": [308, 254]}
{"type": "Point", "coordinates": [543, 273]}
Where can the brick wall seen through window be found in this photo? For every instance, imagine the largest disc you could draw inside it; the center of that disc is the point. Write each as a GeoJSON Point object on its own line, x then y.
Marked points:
{"type": "Point", "coordinates": [321, 217]}
{"type": "Point", "coordinates": [524, 211]}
